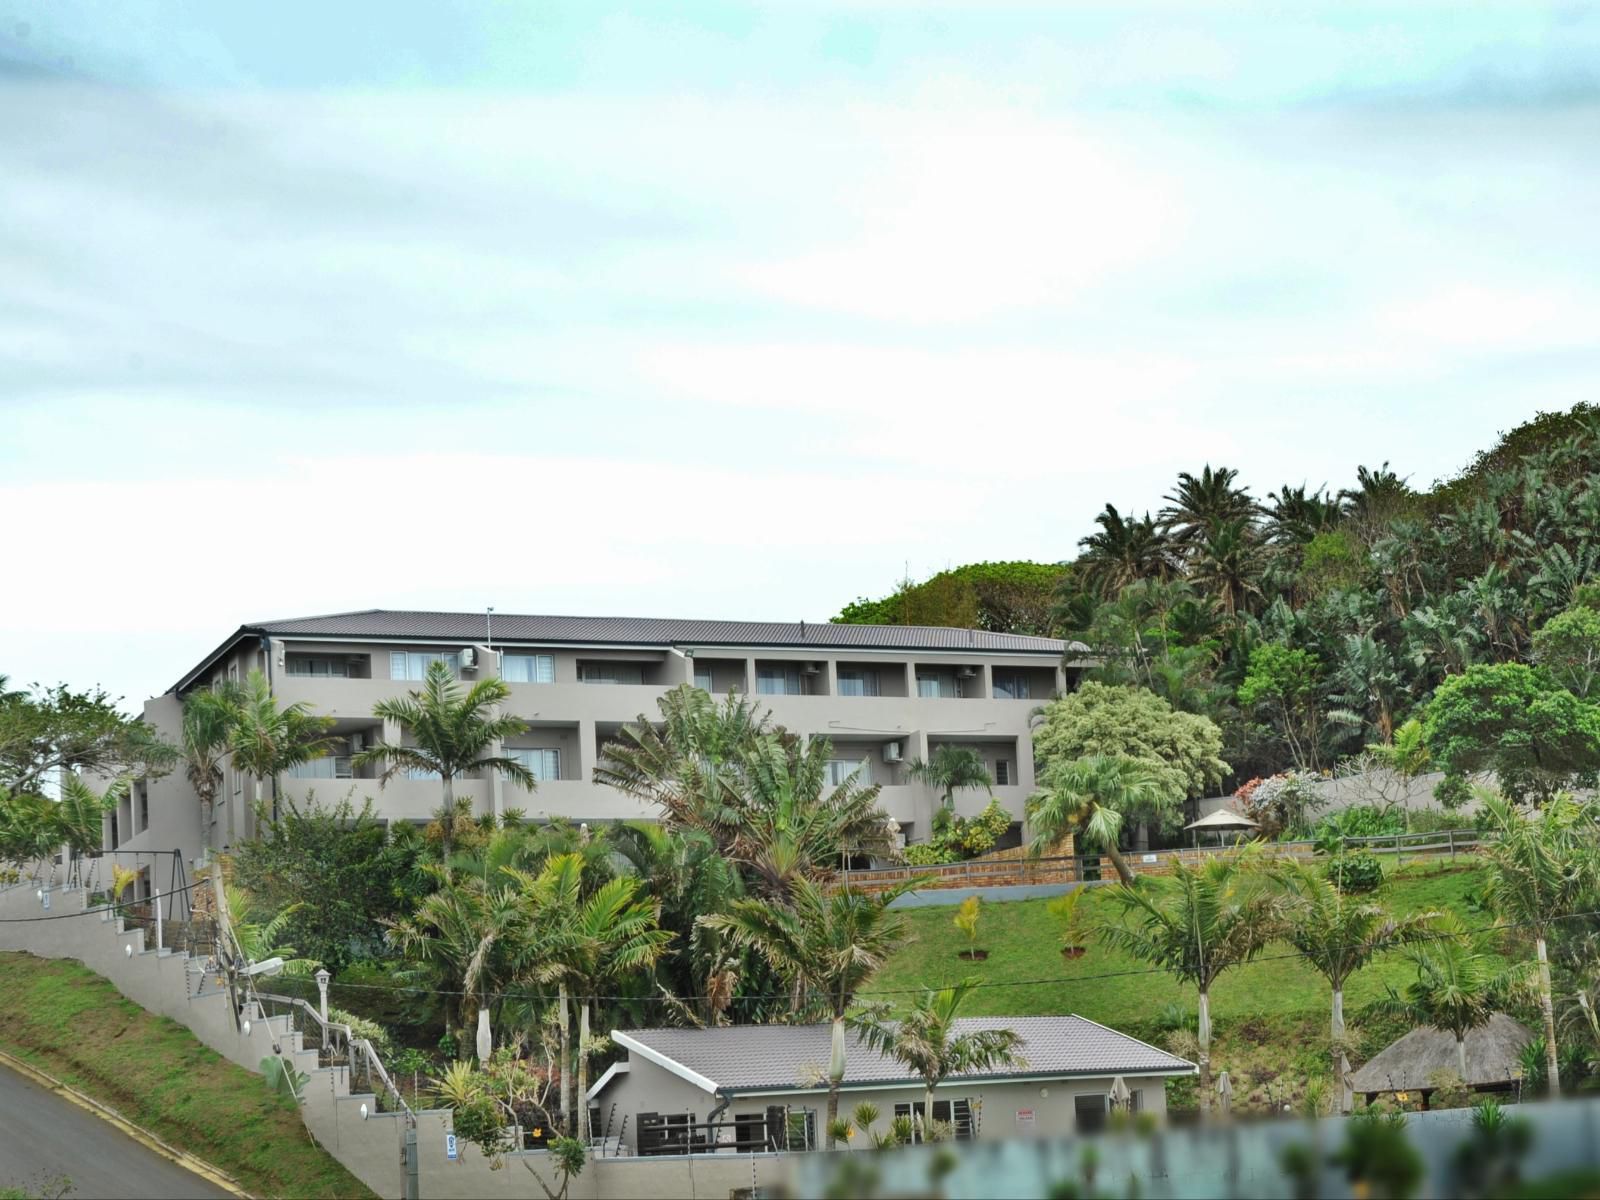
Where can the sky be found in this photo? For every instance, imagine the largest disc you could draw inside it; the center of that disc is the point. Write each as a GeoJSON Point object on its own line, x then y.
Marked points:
{"type": "Point", "coordinates": [735, 310]}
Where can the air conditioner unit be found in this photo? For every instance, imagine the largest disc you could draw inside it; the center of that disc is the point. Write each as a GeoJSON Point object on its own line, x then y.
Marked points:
{"type": "Point", "coordinates": [811, 669]}
{"type": "Point", "coordinates": [966, 672]}
{"type": "Point", "coordinates": [469, 659]}
{"type": "Point", "coordinates": [892, 752]}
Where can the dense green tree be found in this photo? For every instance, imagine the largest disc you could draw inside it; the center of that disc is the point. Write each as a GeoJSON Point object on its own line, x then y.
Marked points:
{"type": "Point", "coordinates": [1180, 750]}
{"type": "Point", "coordinates": [1517, 722]}
{"type": "Point", "coordinates": [1568, 646]}
{"type": "Point", "coordinates": [44, 730]}
{"type": "Point", "coordinates": [266, 739]}
{"type": "Point", "coordinates": [951, 769]}
{"type": "Point", "coordinates": [1004, 597]}
{"type": "Point", "coordinates": [1287, 684]}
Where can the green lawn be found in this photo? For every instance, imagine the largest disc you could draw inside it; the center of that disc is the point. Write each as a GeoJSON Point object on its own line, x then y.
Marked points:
{"type": "Point", "coordinates": [1271, 1015]}
{"type": "Point", "coordinates": [69, 1022]}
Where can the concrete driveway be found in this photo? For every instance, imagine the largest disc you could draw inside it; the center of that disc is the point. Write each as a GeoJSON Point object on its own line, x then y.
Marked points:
{"type": "Point", "coordinates": [45, 1137]}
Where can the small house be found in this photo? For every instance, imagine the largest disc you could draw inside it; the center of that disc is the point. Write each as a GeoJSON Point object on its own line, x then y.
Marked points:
{"type": "Point", "coordinates": [763, 1087]}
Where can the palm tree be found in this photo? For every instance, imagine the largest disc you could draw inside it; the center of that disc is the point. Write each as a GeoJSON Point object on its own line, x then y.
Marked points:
{"type": "Point", "coordinates": [1460, 983]}
{"type": "Point", "coordinates": [1540, 873]}
{"type": "Point", "coordinates": [1297, 514]}
{"type": "Point", "coordinates": [926, 1040]}
{"type": "Point", "coordinates": [472, 935]}
{"type": "Point", "coordinates": [691, 764]}
{"type": "Point", "coordinates": [1201, 504]}
{"type": "Point", "coordinates": [950, 769]}
{"type": "Point", "coordinates": [826, 945]}
{"type": "Point", "coordinates": [81, 812]}
{"type": "Point", "coordinates": [266, 740]}
{"type": "Point", "coordinates": [208, 719]}
{"type": "Point", "coordinates": [1338, 936]}
{"type": "Point", "coordinates": [1205, 921]}
{"type": "Point", "coordinates": [587, 942]}
{"type": "Point", "coordinates": [1096, 794]}
{"type": "Point", "coordinates": [257, 935]}
{"type": "Point", "coordinates": [1225, 562]}
{"type": "Point", "coordinates": [1126, 550]}
{"type": "Point", "coordinates": [793, 825]}
{"type": "Point", "coordinates": [453, 733]}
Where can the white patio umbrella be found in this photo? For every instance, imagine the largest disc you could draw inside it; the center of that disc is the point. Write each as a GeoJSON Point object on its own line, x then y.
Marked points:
{"type": "Point", "coordinates": [1223, 818]}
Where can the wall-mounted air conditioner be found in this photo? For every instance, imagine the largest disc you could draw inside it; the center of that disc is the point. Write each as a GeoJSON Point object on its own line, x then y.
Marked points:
{"type": "Point", "coordinates": [469, 659]}
{"type": "Point", "coordinates": [893, 752]}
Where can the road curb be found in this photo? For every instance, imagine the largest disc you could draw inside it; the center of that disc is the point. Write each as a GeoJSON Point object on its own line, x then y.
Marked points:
{"type": "Point", "coordinates": [144, 1137]}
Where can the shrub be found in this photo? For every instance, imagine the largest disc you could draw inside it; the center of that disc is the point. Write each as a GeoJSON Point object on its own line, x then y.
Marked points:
{"type": "Point", "coordinates": [1280, 803]}
{"type": "Point", "coordinates": [956, 838]}
{"type": "Point", "coordinates": [929, 854]}
{"type": "Point", "coordinates": [1357, 871]}
{"type": "Point", "coordinates": [360, 1027]}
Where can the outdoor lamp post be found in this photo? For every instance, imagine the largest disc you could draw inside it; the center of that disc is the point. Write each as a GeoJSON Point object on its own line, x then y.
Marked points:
{"type": "Point", "coordinates": [322, 991]}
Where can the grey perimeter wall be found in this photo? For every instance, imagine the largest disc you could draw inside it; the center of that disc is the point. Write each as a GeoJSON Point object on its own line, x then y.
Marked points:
{"type": "Point", "coordinates": [370, 1149]}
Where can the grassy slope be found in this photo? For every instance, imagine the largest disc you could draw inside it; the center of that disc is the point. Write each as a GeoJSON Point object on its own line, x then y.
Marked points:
{"type": "Point", "coordinates": [68, 1021]}
{"type": "Point", "coordinates": [1271, 1015]}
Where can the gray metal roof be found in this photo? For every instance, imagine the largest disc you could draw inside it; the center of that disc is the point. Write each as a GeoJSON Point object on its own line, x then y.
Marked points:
{"type": "Point", "coordinates": [651, 631]}
{"type": "Point", "coordinates": [656, 632]}
{"type": "Point", "coordinates": [743, 1058]}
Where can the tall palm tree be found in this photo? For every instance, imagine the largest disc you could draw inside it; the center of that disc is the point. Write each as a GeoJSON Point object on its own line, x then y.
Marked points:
{"type": "Point", "coordinates": [266, 740]}
{"type": "Point", "coordinates": [1541, 873]}
{"type": "Point", "coordinates": [826, 945]}
{"type": "Point", "coordinates": [1205, 921]}
{"type": "Point", "coordinates": [926, 1040]}
{"type": "Point", "coordinates": [1126, 549]}
{"type": "Point", "coordinates": [949, 770]}
{"type": "Point", "coordinates": [1295, 515]}
{"type": "Point", "coordinates": [1095, 795]}
{"type": "Point", "coordinates": [1460, 983]}
{"type": "Point", "coordinates": [587, 942]}
{"type": "Point", "coordinates": [203, 740]}
{"type": "Point", "coordinates": [1225, 563]}
{"type": "Point", "coordinates": [1203, 503]}
{"type": "Point", "coordinates": [453, 731]}
{"type": "Point", "coordinates": [1338, 935]}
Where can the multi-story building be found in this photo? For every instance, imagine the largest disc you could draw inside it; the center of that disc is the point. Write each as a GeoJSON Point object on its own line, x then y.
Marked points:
{"type": "Point", "coordinates": [883, 695]}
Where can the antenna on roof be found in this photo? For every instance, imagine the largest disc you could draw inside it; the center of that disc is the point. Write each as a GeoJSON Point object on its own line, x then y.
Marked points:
{"type": "Point", "coordinates": [488, 627]}
{"type": "Point", "coordinates": [802, 631]}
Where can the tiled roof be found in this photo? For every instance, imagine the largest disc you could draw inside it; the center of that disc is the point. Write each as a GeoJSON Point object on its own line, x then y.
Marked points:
{"type": "Point", "coordinates": [775, 1057]}
{"type": "Point", "coordinates": [651, 631]}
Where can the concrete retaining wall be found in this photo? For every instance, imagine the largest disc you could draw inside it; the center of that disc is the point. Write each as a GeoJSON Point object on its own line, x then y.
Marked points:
{"type": "Point", "coordinates": [160, 982]}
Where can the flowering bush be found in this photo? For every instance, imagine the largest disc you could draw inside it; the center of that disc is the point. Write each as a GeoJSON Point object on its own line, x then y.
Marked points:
{"type": "Point", "coordinates": [1279, 803]}
{"type": "Point", "coordinates": [961, 837]}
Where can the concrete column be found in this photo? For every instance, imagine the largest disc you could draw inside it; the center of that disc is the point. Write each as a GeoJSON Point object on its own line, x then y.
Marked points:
{"type": "Point", "coordinates": [985, 682]}
{"type": "Point", "coordinates": [1061, 680]}
{"type": "Point", "coordinates": [588, 749]}
{"type": "Point", "coordinates": [916, 747]}
{"type": "Point", "coordinates": [830, 676]}
{"type": "Point", "coordinates": [911, 680]}
{"type": "Point", "coordinates": [749, 677]}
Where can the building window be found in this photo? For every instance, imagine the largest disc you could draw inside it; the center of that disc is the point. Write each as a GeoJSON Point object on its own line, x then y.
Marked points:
{"type": "Point", "coordinates": [329, 766]}
{"type": "Point", "coordinates": [1089, 1112]}
{"type": "Point", "coordinates": [930, 687]}
{"type": "Point", "coordinates": [413, 665]}
{"type": "Point", "coordinates": [544, 764]}
{"type": "Point", "coordinates": [1010, 685]}
{"type": "Point", "coordinates": [528, 668]}
{"type": "Point", "coordinates": [854, 681]}
{"type": "Point", "coordinates": [842, 769]}
{"type": "Point", "coordinates": [778, 681]}
{"type": "Point", "coordinates": [792, 1128]}
{"type": "Point", "coordinates": [1002, 772]}
{"type": "Point", "coordinates": [303, 664]}
{"type": "Point", "coordinates": [702, 679]}
{"type": "Point", "coordinates": [610, 673]}
{"type": "Point", "coordinates": [144, 808]}
{"type": "Point", "coordinates": [955, 1113]}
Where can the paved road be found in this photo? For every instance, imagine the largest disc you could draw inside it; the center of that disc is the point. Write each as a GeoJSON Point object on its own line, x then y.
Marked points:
{"type": "Point", "coordinates": [43, 1136]}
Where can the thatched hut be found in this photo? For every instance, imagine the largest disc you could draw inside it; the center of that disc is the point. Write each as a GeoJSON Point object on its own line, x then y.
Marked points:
{"type": "Point", "coordinates": [1414, 1062]}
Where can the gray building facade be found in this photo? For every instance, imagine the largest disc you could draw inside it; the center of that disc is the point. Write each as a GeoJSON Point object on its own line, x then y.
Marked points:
{"type": "Point", "coordinates": [883, 695]}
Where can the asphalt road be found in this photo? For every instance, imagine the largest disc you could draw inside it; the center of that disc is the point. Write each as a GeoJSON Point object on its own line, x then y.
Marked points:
{"type": "Point", "coordinates": [44, 1137]}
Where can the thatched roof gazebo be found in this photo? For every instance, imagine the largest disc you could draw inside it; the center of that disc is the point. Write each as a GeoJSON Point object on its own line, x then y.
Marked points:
{"type": "Point", "coordinates": [1412, 1063]}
